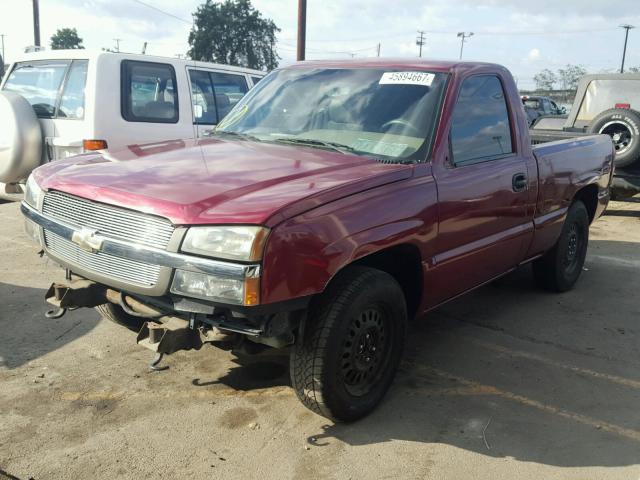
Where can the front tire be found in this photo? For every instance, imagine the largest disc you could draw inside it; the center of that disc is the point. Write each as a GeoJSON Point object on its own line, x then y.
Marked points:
{"type": "Point", "coordinates": [559, 269]}
{"type": "Point", "coordinates": [351, 345]}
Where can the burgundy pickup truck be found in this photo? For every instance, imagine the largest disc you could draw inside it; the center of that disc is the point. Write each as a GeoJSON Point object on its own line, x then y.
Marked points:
{"type": "Point", "coordinates": [337, 201]}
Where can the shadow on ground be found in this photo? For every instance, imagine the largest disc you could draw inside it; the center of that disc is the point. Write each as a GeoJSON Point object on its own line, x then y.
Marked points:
{"type": "Point", "coordinates": [27, 334]}
{"type": "Point", "coordinates": [252, 373]}
{"type": "Point", "coordinates": [511, 371]}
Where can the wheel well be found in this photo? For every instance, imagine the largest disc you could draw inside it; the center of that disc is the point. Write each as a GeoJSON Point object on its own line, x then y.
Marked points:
{"type": "Point", "coordinates": [589, 196]}
{"type": "Point", "coordinates": [404, 263]}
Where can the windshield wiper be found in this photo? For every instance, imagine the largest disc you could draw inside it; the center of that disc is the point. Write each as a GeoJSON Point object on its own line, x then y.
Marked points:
{"type": "Point", "coordinates": [310, 142]}
{"type": "Point", "coordinates": [243, 136]}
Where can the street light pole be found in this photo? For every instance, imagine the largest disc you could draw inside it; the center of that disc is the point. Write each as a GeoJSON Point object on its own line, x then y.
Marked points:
{"type": "Point", "coordinates": [626, 27]}
{"type": "Point", "coordinates": [36, 23]}
{"type": "Point", "coordinates": [302, 29]}
{"type": "Point", "coordinates": [462, 36]}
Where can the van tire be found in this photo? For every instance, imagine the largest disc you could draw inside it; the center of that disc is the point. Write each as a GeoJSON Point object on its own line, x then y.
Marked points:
{"type": "Point", "coordinates": [558, 270]}
{"type": "Point", "coordinates": [116, 314]}
{"type": "Point", "coordinates": [623, 126]}
{"type": "Point", "coordinates": [351, 345]}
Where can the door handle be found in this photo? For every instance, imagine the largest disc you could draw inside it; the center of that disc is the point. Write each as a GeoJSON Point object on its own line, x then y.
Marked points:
{"type": "Point", "coordinates": [519, 182]}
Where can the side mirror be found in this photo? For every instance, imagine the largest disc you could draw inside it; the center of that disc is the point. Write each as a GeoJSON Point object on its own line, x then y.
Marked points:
{"type": "Point", "coordinates": [563, 110]}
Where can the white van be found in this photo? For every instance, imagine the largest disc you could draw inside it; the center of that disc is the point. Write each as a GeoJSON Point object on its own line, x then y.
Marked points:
{"type": "Point", "coordinates": [58, 103]}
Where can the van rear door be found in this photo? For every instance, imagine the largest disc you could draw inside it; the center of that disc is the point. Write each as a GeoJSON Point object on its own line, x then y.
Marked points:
{"type": "Point", "coordinates": [56, 91]}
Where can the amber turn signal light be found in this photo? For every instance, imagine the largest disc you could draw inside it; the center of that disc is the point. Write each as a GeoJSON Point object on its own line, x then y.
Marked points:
{"type": "Point", "coordinates": [90, 145]}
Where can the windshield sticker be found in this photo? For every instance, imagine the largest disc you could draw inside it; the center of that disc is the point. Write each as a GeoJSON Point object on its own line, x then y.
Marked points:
{"type": "Point", "coordinates": [233, 116]}
{"type": "Point", "coordinates": [379, 148]}
{"type": "Point", "coordinates": [407, 78]}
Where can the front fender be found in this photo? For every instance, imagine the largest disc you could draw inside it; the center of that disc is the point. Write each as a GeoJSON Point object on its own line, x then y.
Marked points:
{"type": "Point", "coordinates": [304, 253]}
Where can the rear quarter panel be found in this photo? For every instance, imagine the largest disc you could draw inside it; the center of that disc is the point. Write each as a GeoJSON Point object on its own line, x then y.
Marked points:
{"type": "Point", "coordinates": [564, 168]}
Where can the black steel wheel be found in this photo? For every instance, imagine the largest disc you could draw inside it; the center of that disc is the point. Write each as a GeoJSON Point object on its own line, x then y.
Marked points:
{"type": "Point", "coordinates": [559, 269]}
{"type": "Point", "coordinates": [366, 350]}
{"type": "Point", "coordinates": [351, 344]}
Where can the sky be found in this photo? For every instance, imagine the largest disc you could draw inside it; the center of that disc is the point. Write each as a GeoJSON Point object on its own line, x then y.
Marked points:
{"type": "Point", "coordinates": [524, 35]}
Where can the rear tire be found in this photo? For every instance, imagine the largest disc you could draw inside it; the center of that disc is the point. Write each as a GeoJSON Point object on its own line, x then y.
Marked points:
{"type": "Point", "coordinates": [351, 345]}
{"type": "Point", "coordinates": [116, 314]}
{"type": "Point", "coordinates": [559, 269]}
{"type": "Point", "coordinates": [623, 126]}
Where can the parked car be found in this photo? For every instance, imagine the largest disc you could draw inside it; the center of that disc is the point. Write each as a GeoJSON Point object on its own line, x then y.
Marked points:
{"type": "Point", "coordinates": [54, 104]}
{"type": "Point", "coordinates": [335, 202]}
{"type": "Point", "coordinates": [604, 103]}
{"type": "Point", "coordinates": [537, 106]}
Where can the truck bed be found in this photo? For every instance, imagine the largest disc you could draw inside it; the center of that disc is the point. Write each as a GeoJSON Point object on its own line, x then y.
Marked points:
{"type": "Point", "coordinates": [626, 181]}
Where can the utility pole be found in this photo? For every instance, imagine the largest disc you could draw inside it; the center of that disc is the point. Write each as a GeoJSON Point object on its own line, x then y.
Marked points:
{"type": "Point", "coordinates": [378, 50]}
{"type": "Point", "coordinates": [420, 42]}
{"type": "Point", "coordinates": [144, 48]}
{"type": "Point", "coordinates": [117, 40]}
{"type": "Point", "coordinates": [463, 35]}
{"type": "Point", "coordinates": [626, 27]}
{"type": "Point", "coordinates": [3, 59]}
{"type": "Point", "coordinates": [36, 23]}
{"type": "Point", "coordinates": [302, 29]}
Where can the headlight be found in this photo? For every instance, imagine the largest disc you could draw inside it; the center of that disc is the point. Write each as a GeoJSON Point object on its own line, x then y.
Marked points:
{"type": "Point", "coordinates": [33, 192]}
{"type": "Point", "coordinates": [210, 287]}
{"type": "Point", "coordinates": [244, 243]}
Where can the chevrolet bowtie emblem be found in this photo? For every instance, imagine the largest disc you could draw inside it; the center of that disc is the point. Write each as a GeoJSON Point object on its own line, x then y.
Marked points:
{"type": "Point", "coordinates": [87, 240]}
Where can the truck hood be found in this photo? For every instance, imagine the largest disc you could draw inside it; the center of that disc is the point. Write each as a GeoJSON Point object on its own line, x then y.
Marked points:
{"type": "Point", "coordinates": [218, 180]}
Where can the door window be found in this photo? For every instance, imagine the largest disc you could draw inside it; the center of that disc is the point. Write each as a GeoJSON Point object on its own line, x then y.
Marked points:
{"type": "Point", "coordinates": [202, 98]}
{"type": "Point", "coordinates": [480, 128]}
{"type": "Point", "coordinates": [229, 89]}
{"type": "Point", "coordinates": [214, 94]}
{"type": "Point", "coordinates": [72, 101]}
{"type": "Point", "coordinates": [148, 92]}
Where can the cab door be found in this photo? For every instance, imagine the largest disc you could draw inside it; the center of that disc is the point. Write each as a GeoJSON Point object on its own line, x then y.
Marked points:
{"type": "Point", "coordinates": [482, 192]}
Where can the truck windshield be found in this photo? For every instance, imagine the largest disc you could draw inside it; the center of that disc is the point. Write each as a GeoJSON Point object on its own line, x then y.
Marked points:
{"type": "Point", "coordinates": [373, 112]}
{"type": "Point", "coordinates": [39, 82]}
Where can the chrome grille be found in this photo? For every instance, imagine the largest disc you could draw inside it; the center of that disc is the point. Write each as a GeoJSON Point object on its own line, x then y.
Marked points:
{"type": "Point", "coordinates": [121, 269]}
{"type": "Point", "coordinates": [109, 221]}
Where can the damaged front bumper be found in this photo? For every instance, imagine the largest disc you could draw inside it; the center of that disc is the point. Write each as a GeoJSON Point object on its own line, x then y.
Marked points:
{"type": "Point", "coordinates": [165, 330]}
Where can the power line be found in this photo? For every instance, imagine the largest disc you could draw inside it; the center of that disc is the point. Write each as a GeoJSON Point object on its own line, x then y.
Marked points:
{"type": "Point", "coordinates": [476, 32]}
{"type": "Point", "coordinates": [152, 7]}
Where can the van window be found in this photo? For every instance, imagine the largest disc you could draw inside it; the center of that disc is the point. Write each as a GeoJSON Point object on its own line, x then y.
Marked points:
{"type": "Point", "coordinates": [202, 99]}
{"type": "Point", "coordinates": [148, 92]}
{"type": "Point", "coordinates": [72, 101]}
{"type": "Point", "coordinates": [39, 82]}
{"type": "Point", "coordinates": [229, 89]}
{"type": "Point", "coordinates": [480, 128]}
{"type": "Point", "coordinates": [255, 80]}
{"type": "Point", "coordinates": [214, 94]}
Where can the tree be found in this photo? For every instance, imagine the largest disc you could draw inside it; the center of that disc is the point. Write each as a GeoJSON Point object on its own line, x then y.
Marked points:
{"type": "Point", "coordinates": [545, 80]}
{"type": "Point", "coordinates": [570, 75]}
{"type": "Point", "coordinates": [234, 33]}
{"type": "Point", "coordinates": [65, 39]}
